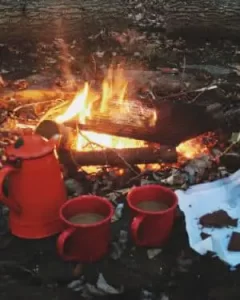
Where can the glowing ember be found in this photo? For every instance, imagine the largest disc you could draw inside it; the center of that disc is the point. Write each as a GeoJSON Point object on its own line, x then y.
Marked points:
{"type": "Point", "coordinates": [192, 148]}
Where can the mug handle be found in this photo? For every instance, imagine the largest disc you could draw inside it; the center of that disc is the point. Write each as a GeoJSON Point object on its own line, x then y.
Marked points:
{"type": "Point", "coordinates": [7, 170]}
{"type": "Point", "coordinates": [136, 223]}
{"type": "Point", "coordinates": [62, 239]}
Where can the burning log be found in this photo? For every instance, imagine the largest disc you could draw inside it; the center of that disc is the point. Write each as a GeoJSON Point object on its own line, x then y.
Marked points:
{"type": "Point", "coordinates": [122, 157]}
{"type": "Point", "coordinates": [112, 157]}
{"type": "Point", "coordinates": [165, 123]}
{"type": "Point", "coordinates": [168, 122]}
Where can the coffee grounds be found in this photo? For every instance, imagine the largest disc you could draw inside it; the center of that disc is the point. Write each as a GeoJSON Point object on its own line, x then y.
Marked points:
{"type": "Point", "coordinates": [204, 235]}
{"type": "Point", "coordinates": [218, 219]}
{"type": "Point", "coordinates": [234, 243]}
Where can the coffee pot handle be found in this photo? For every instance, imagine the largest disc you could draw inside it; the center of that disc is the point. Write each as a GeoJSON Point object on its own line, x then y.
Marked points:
{"type": "Point", "coordinates": [7, 170]}
{"type": "Point", "coordinates": [135, 225]}
{"type": "Point", "coordinates": [62, 239]}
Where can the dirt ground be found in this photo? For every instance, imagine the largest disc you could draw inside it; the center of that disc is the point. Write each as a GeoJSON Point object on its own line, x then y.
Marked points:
{"type": "Point", "coordinates": [177, 273]}
{"type": "Point", "coordinates": [32, 270]}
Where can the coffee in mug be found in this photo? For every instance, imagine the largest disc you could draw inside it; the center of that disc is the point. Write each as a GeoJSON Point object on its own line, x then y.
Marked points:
{"type": "Point", "coordinates": [152, 206]}
{"type": "Point", "coordinates": [153, 209]}
{"type": "Point", "coordinates": [86, 218]}
{"type": "Point", "coordinates": [87, 221]}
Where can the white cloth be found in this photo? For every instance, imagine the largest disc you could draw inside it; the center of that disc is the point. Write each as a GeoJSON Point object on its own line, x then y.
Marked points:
{"type": "Point", "coordinates": [207, 198]}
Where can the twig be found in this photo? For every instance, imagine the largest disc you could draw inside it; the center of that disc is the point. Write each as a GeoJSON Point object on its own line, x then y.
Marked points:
{"type": "Point", "coordinates": [139, 175]}
{"type": "Point", "coordinates": [183, 69]}
{"type": "Point", "coordinates": [10, 263]}
{"type": "Point", "coordinates": [94, 64]}
{"type": "Point", "coordinates": [53, 109]}
{"type": "Point", "coordinates": [228, 148]}
{"type": "Point", "coordinates": [33, 104]}
{"type": "Point", "coordinates": [202, 91]}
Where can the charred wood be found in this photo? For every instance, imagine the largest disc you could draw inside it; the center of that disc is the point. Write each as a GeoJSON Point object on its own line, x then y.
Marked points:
{"type": "Point", "coordinates": [113, 157]}
{"type": "Point", "coordinates": [171, 124]}
{"type": "Point", "coordinates": [180, 117]}
{"type": "Point", "coordinates": [122, 157]}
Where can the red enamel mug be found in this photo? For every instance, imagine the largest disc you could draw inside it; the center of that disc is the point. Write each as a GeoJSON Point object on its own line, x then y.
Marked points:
{"type": "Point", "coordinates": [151, 228]}
{"type": "Point", "coordinates": [85, 242]}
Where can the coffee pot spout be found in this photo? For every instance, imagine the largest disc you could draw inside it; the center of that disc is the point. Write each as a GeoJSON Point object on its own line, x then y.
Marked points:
{"type": "Point", "coordinates": [58, 134]}
{"type": "Point", "coordinates": [55, 140]}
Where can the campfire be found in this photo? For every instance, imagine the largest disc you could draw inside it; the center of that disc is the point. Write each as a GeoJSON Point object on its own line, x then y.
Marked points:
{"type": "Point", "coordinates": [113, 104]}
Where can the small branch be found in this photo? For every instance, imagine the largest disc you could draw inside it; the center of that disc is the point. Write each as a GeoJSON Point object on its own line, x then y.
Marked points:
{"type": "Point", "coordinates": [33, 104]}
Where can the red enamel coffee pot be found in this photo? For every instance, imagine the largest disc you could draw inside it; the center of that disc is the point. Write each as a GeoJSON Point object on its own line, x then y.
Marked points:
{"type": "Point", "coordinates": [35, 186]}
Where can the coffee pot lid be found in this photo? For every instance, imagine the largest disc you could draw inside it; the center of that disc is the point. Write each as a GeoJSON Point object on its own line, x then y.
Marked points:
{"type": "Point", "coordinates": [30, 146]}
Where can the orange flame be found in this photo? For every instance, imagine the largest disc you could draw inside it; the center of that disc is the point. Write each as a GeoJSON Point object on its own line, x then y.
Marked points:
{"type": "Point", "coordinates": [113, 87]}
{"type": "Point", "coordinates": [192, 148]}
